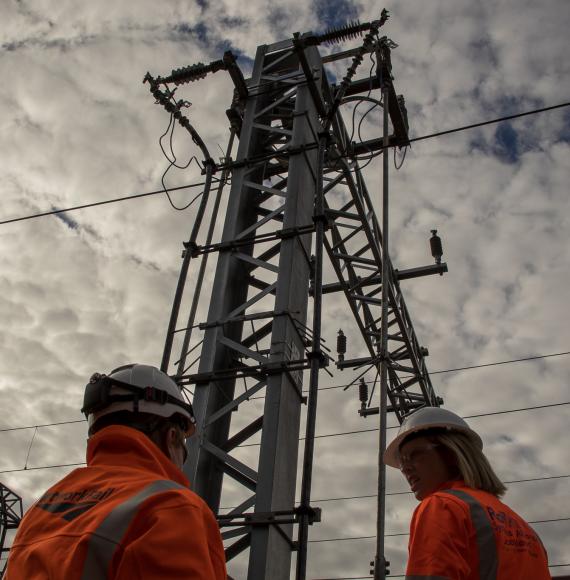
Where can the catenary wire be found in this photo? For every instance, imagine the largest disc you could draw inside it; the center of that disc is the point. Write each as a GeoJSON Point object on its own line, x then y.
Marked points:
{"type": "Point", "coordinates": [97, 203]}
{"type": "Point", "coordinates": [467, 368]}
{"type": "Point", "coordinates": [432, 135]}
{"type": "Point", "coordinates": [348, 538]}
{"type": "Point", "coordinates": [403, 575]}
{"type": "Point", "coordinates": [324, 435]}
{"type": "Point", "coordinates": [408, 492]}
{"type": "Point", "coordinates": [511, 361]}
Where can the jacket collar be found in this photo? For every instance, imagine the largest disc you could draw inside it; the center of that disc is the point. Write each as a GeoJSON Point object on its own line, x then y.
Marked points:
{"type": "Point", "coordinates": [121, 446]}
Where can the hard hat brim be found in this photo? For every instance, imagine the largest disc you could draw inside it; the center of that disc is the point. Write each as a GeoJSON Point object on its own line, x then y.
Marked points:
{"type": "Point", "coordinates": [391, 453]}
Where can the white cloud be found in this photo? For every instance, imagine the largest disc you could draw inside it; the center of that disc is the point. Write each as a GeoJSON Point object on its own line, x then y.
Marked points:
{"type": "Point", "coordinates": [79, 126]}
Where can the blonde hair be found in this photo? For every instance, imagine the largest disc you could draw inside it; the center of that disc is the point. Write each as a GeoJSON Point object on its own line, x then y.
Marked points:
{"type": "Point", "coordinates": [472, 464]}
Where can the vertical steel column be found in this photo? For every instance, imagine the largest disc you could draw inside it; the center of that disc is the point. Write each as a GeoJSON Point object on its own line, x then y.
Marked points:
{"type": "Point", "coordinates": [273, 191]}
{"type": "Point", "coordinates": [316, 359]}
{"type": "Point", "coordinates": [270, 554]}
{"type": "Point", "coordinates": [228, 292]}
{"type": "Point", "coordinates": [380, 566]}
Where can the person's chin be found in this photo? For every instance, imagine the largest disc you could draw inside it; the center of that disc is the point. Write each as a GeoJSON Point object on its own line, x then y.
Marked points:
{"type": "Point", "coordinates": [419, 495]}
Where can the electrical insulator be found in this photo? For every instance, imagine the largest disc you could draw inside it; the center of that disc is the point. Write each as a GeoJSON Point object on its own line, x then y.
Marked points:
{"type": "Point", "coordinates": [436, 247]}
{"type": "Point", "coordinates": [341, 345]}
{"type": "Point", "coordinates": [363, 393]}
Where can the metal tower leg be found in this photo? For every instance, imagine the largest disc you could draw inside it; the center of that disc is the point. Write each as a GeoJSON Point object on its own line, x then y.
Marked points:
{"type": "Point", "coordinates": [279, 116]}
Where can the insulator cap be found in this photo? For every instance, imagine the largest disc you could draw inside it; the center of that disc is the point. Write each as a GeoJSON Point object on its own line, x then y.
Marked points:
{"type": "Point", "coordinates": [363, 391]}
{"type": "Point", "coordinates": [436, 246]}
{"type": "Point", "coordinates": [341, 344]}
{"type": "Point", "coordinates": [346, 32]}
{"type": "Point", "coordinates": [188, 74]}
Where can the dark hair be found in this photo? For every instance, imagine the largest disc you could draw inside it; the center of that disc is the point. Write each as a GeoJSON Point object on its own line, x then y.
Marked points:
{"type": "Point", "coordinates": [153, 426]}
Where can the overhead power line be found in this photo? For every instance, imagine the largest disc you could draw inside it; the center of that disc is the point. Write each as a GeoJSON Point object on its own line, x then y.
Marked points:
{"type": "Point", "coordinates": [97, 203]}
{"type": "Point", "coordinates": [403, 575]}
{"type": "Point", "coordinates": [369, 496]}
{"type": "Point", "coordinates": [467, 368]}
{"type": "Point", "coordinates": [491, 122]}
{"type": "Point", "coordinates": [326, 435]}
{"type": "Point", "coordinates": [349, 538]}
{"type": "Point", "coordinates": [423, 137]}
{"type": "Point", "coordinates": [542, 356]}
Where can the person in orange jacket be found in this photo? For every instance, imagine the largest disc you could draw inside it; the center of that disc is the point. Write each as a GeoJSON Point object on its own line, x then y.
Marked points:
{"type": "Point", "coordinates": [460, 530]}
{"type": "Point", "coordinates": [128, 515]}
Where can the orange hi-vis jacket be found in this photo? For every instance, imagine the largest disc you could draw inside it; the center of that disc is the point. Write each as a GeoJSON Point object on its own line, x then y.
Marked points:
{"type": "Point", "coordinates": [128, 515]}
{"type": "Point", "coordinates": [461, 533]}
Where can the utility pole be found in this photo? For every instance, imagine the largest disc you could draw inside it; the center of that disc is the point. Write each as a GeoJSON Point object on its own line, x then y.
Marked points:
{"type": "Point", "coordinates": [297, 196]}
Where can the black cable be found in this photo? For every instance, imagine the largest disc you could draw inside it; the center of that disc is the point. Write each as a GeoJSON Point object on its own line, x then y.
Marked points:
{"type": "Point", "coordinates": [542, 356]}
{"type": "Point", "coordinates": [466, 127]}
{"type": "Point", "coordinates": [482, 124]}
{"type": "Point", "coordinates": [172, 163]}
{"type": "Point", "coordinates": [326, 435]}
{"type": "Point", "coordinates": [396, 166]}
{"type": "Point", "coordinates": [458, 369]}
{"type": "Point", "coordinates": [43, 467]}
{"type": "Point", "coordinates": [87, 205]}
{"type": "Point", "coordinates": [374, 429]}
{"type": "Point", "coordinates": [392, 493]}
{"type": "Point", "coordinates": [408, 492]}
{"type": "Point", "coordinates": [408, 533]}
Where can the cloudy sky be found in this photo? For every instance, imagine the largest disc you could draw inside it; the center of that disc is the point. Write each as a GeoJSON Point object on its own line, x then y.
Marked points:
{"type": "Point", "coordinates": [92, 289]}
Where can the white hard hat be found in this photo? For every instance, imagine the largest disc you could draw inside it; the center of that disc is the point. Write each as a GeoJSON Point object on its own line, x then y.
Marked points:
{"type": "Point", "coordinates": [139, 389]}
{"type": "Point", "coordinates": [428, 418]}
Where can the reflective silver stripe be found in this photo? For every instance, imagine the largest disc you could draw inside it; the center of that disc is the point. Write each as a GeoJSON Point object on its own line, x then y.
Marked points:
{"type": "Point", "coordinates": [106, 537]}
{"type": "Point", "coordinates": [488, 561]}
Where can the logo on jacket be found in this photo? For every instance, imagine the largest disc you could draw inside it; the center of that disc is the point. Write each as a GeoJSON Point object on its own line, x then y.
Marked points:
{"type": "Point", "coordinates": [72, 504]}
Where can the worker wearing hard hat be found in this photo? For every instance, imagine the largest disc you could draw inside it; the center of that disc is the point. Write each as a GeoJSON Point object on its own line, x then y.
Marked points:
{"type": "Point", "coordinates": [129, 514]}
{"type": "Point", "coordinates": [460, 530]}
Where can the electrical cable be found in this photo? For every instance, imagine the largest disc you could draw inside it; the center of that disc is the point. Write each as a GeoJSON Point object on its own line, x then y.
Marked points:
{"type": "Point", "coordinates": [408, 492]}
{"type": "Point", "coordinates": [340, 434]}
{"type": "Point", "coordinates": [97, 203]}
{"type": "Point", "coordinates": [464, 128]}
{"type": "Point", "coordinates": [396, 166]}
{"type": "Point", "coordinates": [403, 575]}
{"type": "Point", "coordinates": [172, 163]}
{"type": "Point", "coordinates": [458, 369]}
{"type": "Point", "coordinates": [483, 123]}
{"type": "Point", "coordinates": [408, 533]}
{"type": "Point", "coordinates": [511, 361]}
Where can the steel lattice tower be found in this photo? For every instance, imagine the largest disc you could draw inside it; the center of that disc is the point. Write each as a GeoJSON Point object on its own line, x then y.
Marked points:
{"type": "Point", "coordinates": [10, 517]}
{"type": "Point", "coordinates": [297, 195]}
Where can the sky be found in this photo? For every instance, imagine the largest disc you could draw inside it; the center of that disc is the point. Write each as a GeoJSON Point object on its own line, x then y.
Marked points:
{"type": "Point", "coordinates": [90, 290]}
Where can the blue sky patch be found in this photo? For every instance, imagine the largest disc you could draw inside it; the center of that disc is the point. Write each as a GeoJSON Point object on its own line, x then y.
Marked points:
{"type": "Point", "coordinates": [506, 145]}
{"type": "Point", "coordinates": [334, 13]}
{"type": "Point", "coordinates": [68, 221]}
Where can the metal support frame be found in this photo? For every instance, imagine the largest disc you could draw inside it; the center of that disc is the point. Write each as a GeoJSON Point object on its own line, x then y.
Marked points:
{"type": "Point", "coordinates": [11, 513]}
{"type": "Point", "coordinates": [269, 277]}
{"type": "Point", "coordinates": [295, 176]}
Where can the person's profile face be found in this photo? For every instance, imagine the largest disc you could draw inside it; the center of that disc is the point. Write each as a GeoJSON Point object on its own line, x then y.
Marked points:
{"type": "Point", "coordinates": [423, 466]}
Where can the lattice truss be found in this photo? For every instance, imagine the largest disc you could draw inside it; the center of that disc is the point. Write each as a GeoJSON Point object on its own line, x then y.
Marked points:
{"type": "Point", "coordinates": [354, 246]}
{"type": "Point", "coordinates": [256, 340]}
{"type": "Point", "coordinates": [10, 517]}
